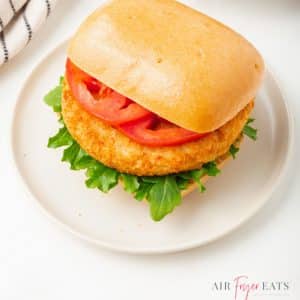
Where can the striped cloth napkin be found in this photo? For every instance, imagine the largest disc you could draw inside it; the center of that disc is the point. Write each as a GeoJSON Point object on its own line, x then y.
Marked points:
{"type": "Point", "coordinates": [19, 20]}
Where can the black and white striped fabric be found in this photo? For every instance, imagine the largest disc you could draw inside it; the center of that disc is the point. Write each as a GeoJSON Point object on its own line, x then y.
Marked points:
{"type": "Point", "coordinates": [19, 20]}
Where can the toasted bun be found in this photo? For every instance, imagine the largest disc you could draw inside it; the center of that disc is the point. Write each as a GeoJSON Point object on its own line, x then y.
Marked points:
{"type": "Point", "coordinates": [183, 65]}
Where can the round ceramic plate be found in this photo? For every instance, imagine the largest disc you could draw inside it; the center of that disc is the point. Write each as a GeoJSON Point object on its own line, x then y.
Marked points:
{"type": "Point", "coordinates": [117, 221]}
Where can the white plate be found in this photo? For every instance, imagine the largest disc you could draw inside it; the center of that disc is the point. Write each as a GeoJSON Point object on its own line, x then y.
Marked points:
{"type": "Point", "coordinates": [116, 221]}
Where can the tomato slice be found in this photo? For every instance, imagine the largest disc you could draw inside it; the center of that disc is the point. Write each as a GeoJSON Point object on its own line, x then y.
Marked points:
{"type": "Point", "coordinates": [156, 132]}
{"type": "Point", "coordinates": [101, 101]}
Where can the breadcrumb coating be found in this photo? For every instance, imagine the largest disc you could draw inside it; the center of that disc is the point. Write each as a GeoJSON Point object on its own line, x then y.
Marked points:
{"type": "Point", "coordinates": [111, 147]}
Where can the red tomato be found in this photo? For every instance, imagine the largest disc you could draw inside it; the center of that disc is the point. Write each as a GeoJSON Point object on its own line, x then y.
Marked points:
{"type": "Point", "coordinates": [101, 101]}
{"type": "Point", "coordinates": [156, 132]}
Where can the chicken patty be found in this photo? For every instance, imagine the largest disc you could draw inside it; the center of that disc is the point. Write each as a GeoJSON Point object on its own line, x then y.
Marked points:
{"type": "Point", "coordinates": [109, 146]}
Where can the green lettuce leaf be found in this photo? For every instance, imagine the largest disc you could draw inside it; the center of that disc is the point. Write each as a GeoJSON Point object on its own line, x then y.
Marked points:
{"type": "Point", "coordinates": [101, 177]}
{"type": "Point", "coordinates": [53, 98]}
{"type": "Point", "coordinates": [250, 131]}
{"type": "Point", "coordinates": [73, 154]}
{"type": "Point", "coordinates": [196, 175]}
{"type": "Point", "coordinates": [233, 151]}
{"type": "Point", "coordinates": [163, 197]}
{"type": "Point", "coordinates": [143, 191]}
{"type": "Point", "coordinates": [62, 138]}
{"type": "Point", "coordinates": [211, 169]}
{"type": "Point", "coordinates": [131, 183]}
{"type": "Point", "coordinates": [183, 183]}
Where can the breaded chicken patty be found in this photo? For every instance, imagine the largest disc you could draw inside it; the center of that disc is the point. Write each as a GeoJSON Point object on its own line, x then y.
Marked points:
{"type": "Point", "coordinates": [109, 146]}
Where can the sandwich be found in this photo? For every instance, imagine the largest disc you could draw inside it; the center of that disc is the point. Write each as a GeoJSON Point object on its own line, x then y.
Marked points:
{"type": "Point", "coordinates": [156, 97]}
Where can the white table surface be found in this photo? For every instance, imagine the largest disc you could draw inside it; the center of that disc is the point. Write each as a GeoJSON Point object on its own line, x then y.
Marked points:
{"type": "Point", "coordinates": [38, 260]}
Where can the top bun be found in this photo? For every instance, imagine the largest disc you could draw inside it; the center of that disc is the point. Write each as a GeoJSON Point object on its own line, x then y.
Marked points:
{"type": "Point", "coordinates": [178, 63]}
